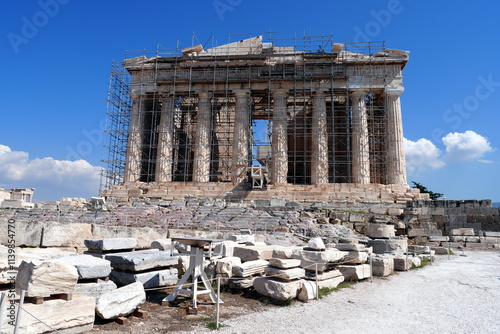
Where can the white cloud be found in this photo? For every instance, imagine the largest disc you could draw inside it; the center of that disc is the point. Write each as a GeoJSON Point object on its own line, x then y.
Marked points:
{"type": "Point", "coordinates": [52, 178]}
{"type": "Point", "coordinates": [465, 146]}
{"type": "Point", "coordinates": [422, 154]}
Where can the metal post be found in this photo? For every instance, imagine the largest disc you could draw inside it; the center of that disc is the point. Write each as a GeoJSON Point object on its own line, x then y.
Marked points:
{"type": "Point", "coordinates": [2, 302]}
{"type": "Point", "coordinates": [317, 284]}
{"type": "Point", "coordinates": [371, 269]}
{"type": "Point", "coordinates": [218, 303]}
{"type": "Point", "coordinates": [19, 310]}
{"type": "Point", "coordinates": [449, 248]}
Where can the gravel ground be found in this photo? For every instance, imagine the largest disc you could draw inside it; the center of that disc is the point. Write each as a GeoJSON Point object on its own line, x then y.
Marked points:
{"type": "Point", "coordinates": [456, 295]}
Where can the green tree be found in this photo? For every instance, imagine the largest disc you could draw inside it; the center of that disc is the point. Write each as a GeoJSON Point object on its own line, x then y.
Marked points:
{"type": "Point", "coordinates": [432, 195]}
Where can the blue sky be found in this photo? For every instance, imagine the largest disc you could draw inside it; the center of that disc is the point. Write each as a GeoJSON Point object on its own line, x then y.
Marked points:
{"type": "Point", "coordinates": [56, 57]}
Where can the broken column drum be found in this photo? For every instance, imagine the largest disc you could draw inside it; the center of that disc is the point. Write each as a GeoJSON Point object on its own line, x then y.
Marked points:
{"type": "Point", "coordinates": [198, 122]}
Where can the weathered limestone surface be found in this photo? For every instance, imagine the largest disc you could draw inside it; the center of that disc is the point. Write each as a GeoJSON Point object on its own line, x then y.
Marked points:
{"type": "Point", "coordinates": [150, 279]}
{"type": "Point", "coordinates": [277, 289]}
{"type": "Point", "coordinates": [331, 283]}
{"type": "Point", "coordinates": [28, 233]}
{"type": "Point", "coordinates": [316, 244]}
{"type": "Point", "coordinates": [143, 235]}
{"type": "Point", "coordinates": [360, 145]}
{"type": "Point", "coordinates": [285, 252]}
{"type": "Point", "coordinates": [329, 255]}
{"type": "Point", "coordinates": [42, 279]}
{"type": "Point", "coordinates": [286, 274]}
{"type": "Point", "coordinates": [419, 249]}
{"type": "Point", "coordinates": [351, 247]}
{"type": "Point", "coordinates": [250, 268]}
{"type": "Point", "coordinates": [307, 292]}
{"type": "Point", "coordinates": [319, 163]}
{"type": "Point", "coordinates": [382, 266]}
{"type": "Point", "coordinates": [121, 301]}
{"type": "Point", "coordinates": [89, 266]}
{"type": "Point", "coordinates": [162, 244]}
{"type": "Point", "coordinates": [142, 260]}
{"type": "Point", "coordinates": [226, 248]}
{"type": "Point", "coordinates": [201, 163]}
{"type": "Point", "coordinates": [165, 147]}
{"type": "Point", "coordinates": [403, 263]}
{"type": "Point", "coordinates": [224, 266]}
{"type": "Point", "coordinates": [356, 257]}
{"type": "Point", "coordinates": [27, 254]}
{"type": "Point", "coordinates": [66, 235]}
{"type": "Point", "coordinates": [380, 231]}
{"type": "Point", "coordinates": [111, 243]}
{"type": "Point", "coordinates": [68, 317]}
{"type": "Point", "coordinates": [440, 250]}
{"type": "Point", "coordinates": [417, 262]}
{"type": "Point", "coordinates": [323, 276]}
{"type": "Point", "coordinates": [252, 253]}
{"type": "Point", "coordinates": [396, 163]}
{"type": "Point", "coordinates": [462, 231]}
{"type": "Point", "coordinates": [284, 263]}
{"type": "Point", "coordinates": [279, 144]}
{"type": "Point", "coordinates": [95, 289]}
{"type": "Point", "coordinates": [381, 246]}
{"type": "Point", "coordinates": [241, 283]}
{"type": "Point", "coordinates": [355, 272]}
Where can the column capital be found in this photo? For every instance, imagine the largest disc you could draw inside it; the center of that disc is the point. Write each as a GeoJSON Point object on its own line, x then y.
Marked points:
{"type": "Point", "coordinates": [277, 93]}
{"type": "Point", "coordinates": [319, 91]}
{"type": "Point", "coordinates": [134, 95]}
{"type": "Point", "coordinates": [359, 92]}
{"type": "Point", "coordinates": [204, 94]}
{"type": "Point", "coordinates": [166, 94]}
{"type": "Point", "coordinates": [241, 92]}
{"type": "Point", "coordinates": [394, 91]}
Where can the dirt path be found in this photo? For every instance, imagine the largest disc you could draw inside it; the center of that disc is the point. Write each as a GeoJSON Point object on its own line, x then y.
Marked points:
{"type": "Point", "coordinates": [457, 295]}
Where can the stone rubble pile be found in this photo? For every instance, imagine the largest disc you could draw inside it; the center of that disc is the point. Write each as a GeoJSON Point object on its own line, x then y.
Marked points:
{"type": "Point", "coordinates": [65, 311]}
{"type": "Point", "coordinates": [153, 268]}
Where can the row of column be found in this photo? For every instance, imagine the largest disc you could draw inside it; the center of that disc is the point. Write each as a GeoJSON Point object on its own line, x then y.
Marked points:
{"type": "Point", "coordinates": [396, 168]}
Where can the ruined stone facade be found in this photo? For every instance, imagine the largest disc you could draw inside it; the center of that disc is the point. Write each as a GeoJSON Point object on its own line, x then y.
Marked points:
{"type": "Point", "coordinates": [322, 123]}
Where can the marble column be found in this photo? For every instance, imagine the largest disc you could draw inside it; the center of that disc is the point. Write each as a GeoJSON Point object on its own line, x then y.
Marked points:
{"type": "Point", "coordinates": [132, 172]}
{"type": "Point", "coordinates": [164, 157]}
{"type": "Point", "coordinates": [396, 163]}
{"type": "Point", "coordinates": [201, 164]}
{"type": "Point", "coordinates": [360, 146]}
{"type": "Point", "coordinates": [279, 143]}
{"type": "Point", "coordinates": [319, 163]}
{"type": "Point", "coordinates": [241, 136]}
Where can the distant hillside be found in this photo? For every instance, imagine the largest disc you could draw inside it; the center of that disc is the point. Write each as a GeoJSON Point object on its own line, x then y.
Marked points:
{"type": "Point", "coordinates": [496, 204]}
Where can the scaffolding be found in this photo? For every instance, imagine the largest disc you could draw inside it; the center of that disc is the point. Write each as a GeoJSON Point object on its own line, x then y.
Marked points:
{"type": "Point", "coordinates": [118, 108]}
{"type": "Point", "coordinates": [259, 65]}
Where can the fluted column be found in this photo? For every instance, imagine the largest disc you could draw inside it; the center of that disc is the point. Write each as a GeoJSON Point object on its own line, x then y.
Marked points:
{"type": "Point", "coordinates": [241, 136]}
{"type": "Point", "coordinates": [201, 164]}
{"type": "Point", "coordinates": [360, 145]}
{"type": "Point", "coordinates": [133, 159]}
{"type": "Point", "coordinates": [319, 164]}
{"type": "Point", "coordinates": [279, 144]}
{"type": "Point", "coordinates": [165, 140]}
{"type": "Point", "coordinates": [396, 164]}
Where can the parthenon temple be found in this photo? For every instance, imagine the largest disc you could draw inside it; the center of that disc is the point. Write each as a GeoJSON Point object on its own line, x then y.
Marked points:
{"type": "Point", "coordinates": [257, 119]}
